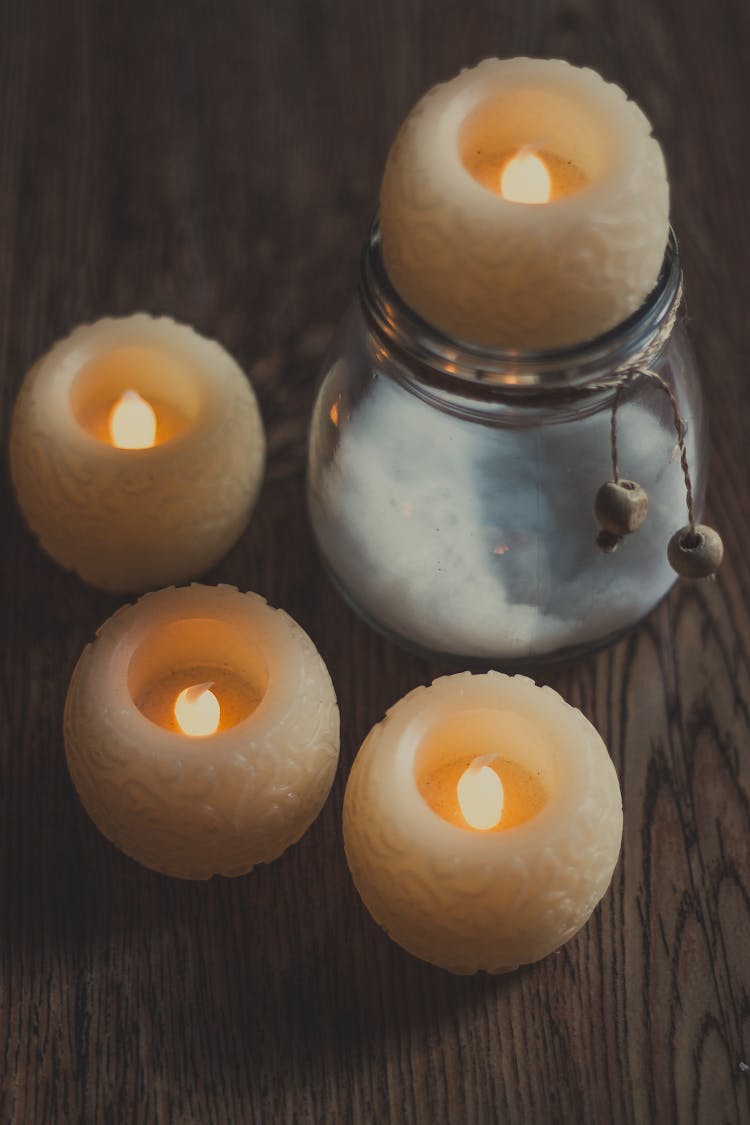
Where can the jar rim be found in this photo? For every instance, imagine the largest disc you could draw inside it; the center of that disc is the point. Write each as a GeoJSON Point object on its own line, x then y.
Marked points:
{"type": "Point", "coordinates": [433, 357]}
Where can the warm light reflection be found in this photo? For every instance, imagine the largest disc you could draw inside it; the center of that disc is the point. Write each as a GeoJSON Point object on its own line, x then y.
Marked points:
{"type": "Point", "coordinates": [480, 795]}
{"type": "Point", "coordinates": [197, 711]}
{"type": "Point", "coordinates": [132, 422]}
{"type": "Point", "coordinates": [525, 179]}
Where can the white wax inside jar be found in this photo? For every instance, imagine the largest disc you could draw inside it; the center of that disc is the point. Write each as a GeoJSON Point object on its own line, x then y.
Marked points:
{"type": "Point", "coordinates": [466, 898]}
{"type": "Point", "coordinates": [516, 275]}
{"type": "Point", "coordinates": [167, 508]}
{"type": "Point", "coordinates": [197, 804]}
{"type": "Point", "coordinates": [472, 541]}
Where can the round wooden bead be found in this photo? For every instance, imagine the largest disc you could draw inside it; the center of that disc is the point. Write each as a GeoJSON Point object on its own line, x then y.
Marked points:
{"type": "Point", "coordinates": [695, 554]}
{"type": "Point", "coordinates": [620, 506]}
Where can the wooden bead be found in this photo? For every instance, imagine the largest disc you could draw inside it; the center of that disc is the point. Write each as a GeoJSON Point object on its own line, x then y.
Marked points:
{"type": "Point", "coordinates": [620, 506]}
{"type": "Point", "coordinates": [695, 555]}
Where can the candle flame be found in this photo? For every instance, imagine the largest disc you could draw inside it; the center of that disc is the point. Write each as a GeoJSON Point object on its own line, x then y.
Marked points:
{"type": "Point", "coordinates": [480, 795]}
{"type": "Point", "coordinates": [132, 422]}
{"type": "Point", "coordinates": [525, 179]}
{"type": "Point", "coordinates": [197, 711]}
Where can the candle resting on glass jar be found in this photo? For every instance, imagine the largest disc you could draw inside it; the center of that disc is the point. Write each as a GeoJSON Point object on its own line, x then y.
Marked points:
{"type": "Point", "coordinates": [520, 277]}
{"type": "Point", "coordinates": [524, 204]}
{"type": "Point", "coordinates": [201, 731]}
{"type": "Point", "coordinates": [465, 871]}
{"type": "Point", "coordinates": [137, 452]}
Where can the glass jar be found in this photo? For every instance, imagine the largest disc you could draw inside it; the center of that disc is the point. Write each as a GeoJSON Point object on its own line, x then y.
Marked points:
{"type": "Point", "coordinates": [451, 487]}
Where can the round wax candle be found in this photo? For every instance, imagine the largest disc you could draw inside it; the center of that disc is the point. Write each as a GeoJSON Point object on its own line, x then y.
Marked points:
{"type": "Point", "coordinates": [137, 452]}
{"type": "Point", "coordinates": [481, 250]}
{"type": "Point", "coordinates": [201, 731]}
{"type": "Point", "coordinates": [514, 872]}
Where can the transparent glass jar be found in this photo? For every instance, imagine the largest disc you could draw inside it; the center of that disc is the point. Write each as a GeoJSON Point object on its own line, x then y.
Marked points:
{"type": "Point", "coordinates": [451, 487]}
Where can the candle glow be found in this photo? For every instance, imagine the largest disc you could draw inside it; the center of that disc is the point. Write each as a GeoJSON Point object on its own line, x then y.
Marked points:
{"type": "Point", "coordinates": [132, 422]}
{"type": "Point", "coordinates": [193, 807]}
{"type": "Point", "coordinates": [466, 899]}
{"type": "Point", "coordinates": [197, 711]}
{"type": "Point", "coordinates": [525, 179]}
{"type": "Point", "coordinates": [480, 795]}
{"type": "Point", "coordinates": [529, 131]}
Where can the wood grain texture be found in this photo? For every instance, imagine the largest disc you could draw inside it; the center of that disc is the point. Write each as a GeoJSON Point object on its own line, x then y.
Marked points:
{"type": "Point", "coordinates": [220, 162]}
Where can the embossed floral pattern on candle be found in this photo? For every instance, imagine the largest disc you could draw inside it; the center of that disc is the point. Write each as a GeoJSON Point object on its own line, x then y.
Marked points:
{"type": "Point", "coordinates": [219, 805]}
{"type": "Point", "coordinates": [468, 900]}
{"type": "Point", "coordinates": [132, 519]}
{"type": "Point", "coordinates": [502, 273]}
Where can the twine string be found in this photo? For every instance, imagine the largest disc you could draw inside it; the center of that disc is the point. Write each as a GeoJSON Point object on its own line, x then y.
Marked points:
{"type": "Point", "coordinates": [624, 377]}
{"type": "Point", "coordinates": [633, 376]}
{"type": "Point", "coordinates": [613, 430]}
{"type": "Point", "coordinates": [632, 372]}
{"type": "Point", "coordinates": [681, 430]}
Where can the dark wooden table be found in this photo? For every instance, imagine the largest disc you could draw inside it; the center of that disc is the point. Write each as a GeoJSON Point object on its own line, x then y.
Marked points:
{"type": "Point", "coordinates": [220, 162]}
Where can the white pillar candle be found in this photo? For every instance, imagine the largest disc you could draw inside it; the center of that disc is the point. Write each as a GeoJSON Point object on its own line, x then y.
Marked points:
{"type": "Point", "coordinates": [466, 250]}
{"type": "Point", "coordinates": [493, 897]}
{"type": "Point", "coordinates": [137, 452]}
{"type": "Point", "coordinates": [201, 731]}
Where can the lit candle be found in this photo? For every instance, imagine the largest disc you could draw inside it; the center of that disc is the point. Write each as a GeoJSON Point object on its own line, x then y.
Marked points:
{"type": "Point", "coordinates": [137, 452]}
{"type": "Point", "coordinates": [482, 822]}
{"type": "Point", "coordinates": [197, 711]}
{"type": "Point", "coordinates": [201, 731]}
{"type": "Point", "coordinates": [525, 179]}
{"type": "Point", "coordinates": [132, 422]}
{"type": "Point", "coordinates": [524, 205]}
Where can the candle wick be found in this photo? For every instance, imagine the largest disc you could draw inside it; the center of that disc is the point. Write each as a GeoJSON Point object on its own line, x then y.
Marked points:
{"type": "Point", "coordinates": [625, 384]}
{"type": "Point", "coordinates": [531, 149]}
{"type": "Point", "coordinates": [483, 760]}
{"type": "Point", "coordinates": [197, 690]}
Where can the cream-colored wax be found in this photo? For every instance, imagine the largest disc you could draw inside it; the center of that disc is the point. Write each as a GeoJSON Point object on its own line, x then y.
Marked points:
{"type": "Point", "coordinates": [515, 275]}
{"type": "Point", "coordinates": [192, 805]}
{"type": "Point", "coordinates": [473, 898]}
{"type": "Point", "coordinates": [127, 518]}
